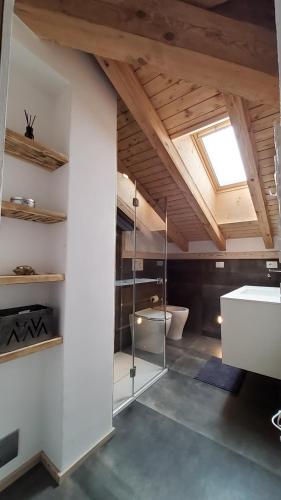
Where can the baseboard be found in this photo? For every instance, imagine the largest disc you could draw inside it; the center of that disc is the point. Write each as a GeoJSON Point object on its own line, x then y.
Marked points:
{"type": "Point", "coordinates": [58, 475]}
{"type": "Point", "coordinates": [20, 471]}
{"type": "Point", "coordinates": [52, 469]}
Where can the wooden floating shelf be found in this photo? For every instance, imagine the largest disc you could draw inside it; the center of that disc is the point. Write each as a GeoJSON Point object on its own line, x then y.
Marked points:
{"type": "Point", "coordinates": [13, 279]}
{"type": "Point", "coordinates": [32, 151]}
{"type": "Point", "coordinates": [15, 211]}
{"type": "Point", "coordinates": [25, 351]}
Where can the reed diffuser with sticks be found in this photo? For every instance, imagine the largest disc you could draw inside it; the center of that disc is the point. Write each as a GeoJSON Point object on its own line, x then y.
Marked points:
{"type": "Point", "coordinates": [29, 125]}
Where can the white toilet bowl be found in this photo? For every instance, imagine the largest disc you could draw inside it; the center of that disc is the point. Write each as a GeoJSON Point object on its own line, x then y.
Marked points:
{"type": "Point", "coordinates": [149, 329]}
{"type": "Point", "coordinates": [179, 318]}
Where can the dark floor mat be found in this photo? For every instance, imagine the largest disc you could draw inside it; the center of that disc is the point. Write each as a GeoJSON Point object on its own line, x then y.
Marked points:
{"type": "Point", "coordinates": [226, 377]}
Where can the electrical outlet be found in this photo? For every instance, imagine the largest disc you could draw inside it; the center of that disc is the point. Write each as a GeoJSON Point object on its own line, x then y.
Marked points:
{"type": "Point", "coordinates": [271, 264]}
{"type": "Point", "coordinates": [220, 265]}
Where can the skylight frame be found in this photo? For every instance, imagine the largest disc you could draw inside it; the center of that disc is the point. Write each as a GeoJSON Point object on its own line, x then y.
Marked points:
{"type": "Point", "coordinates": [197, 139]}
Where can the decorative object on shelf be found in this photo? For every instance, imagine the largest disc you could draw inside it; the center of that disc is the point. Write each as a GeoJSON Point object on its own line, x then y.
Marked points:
{"type": "Point", "coordinates": [20, 200]}
{"type": "Point", "coordinates": [23, 326]}
{"type": "Point", "coordinates": [29, 202]}
{"type": "Point", "coordinates": [29, 127]}
{"type": "Point", "coordinates": [24, 270]}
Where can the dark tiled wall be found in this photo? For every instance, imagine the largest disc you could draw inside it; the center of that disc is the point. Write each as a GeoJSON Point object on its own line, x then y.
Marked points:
{"type": "Point", "coordinates": [197, 284]}
{"type": "Point", "coordinates": [124, 295]}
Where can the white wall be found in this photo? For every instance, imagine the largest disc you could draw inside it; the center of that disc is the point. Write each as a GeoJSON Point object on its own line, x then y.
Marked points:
{"type": "Point", "coordinates": [149, 224]}
{"type": "Point", "coordinates": [61, 399]}
{"type": "Point", "coordinates": [232, 245]}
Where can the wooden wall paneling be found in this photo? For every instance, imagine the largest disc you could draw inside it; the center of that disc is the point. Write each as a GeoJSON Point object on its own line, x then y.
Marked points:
{"type": "Point", "coordinates": [135, 149]}
{"type": "Point", "coordinates": [146, 73]}
{"type": "Point", "coordinates": [159, 85]}
{"type": "Point", "coordinates": [194, 112]}
{"type": "Point", "coordinates": [262, 124]}
{"type": "Point", "coordinates": [139, 157]}
{"type": "Point", "coordinates": [130, 141]}
{"type": "Point", "coordinates": [190, 126]}
{"type": "Point", "coordinates": [128, 130]}
{"type": "Point", "coordinates": [178, 89]}
{"type": "Point", "coordinates": [237, 109]}
{"type": "Point", "coordinates": [186, 101]}
{"type": "Point", "coordinates": [268, 152]}
{"type": "Point", "coordinates": [241, 59]}
{"type": "Point", "coordinates": [129, 88]}
{"type": "Point", "coordinates": [160, 177]}
{"type": "Point", "coordinates": [261, 111]}
{"type": "Point", "coordinates": [124, 118]}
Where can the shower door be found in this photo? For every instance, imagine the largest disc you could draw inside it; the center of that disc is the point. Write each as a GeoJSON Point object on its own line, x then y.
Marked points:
{"type": "Point", "coordinates": [149, 264]}
{"type": "Point", "coordinates": [123, 359]}
{"type": "Point", "coordinates": [140, 295]}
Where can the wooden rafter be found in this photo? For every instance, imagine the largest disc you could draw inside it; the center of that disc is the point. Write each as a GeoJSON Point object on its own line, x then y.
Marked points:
{"type": "Point", "coordinates": [239, 117]}
{"type": "Point", "coordinates": [172, 231]}
{"type": "Point", "coordinates": [177, 38]}
{"type": "Point", "coordinates": [130, 90]}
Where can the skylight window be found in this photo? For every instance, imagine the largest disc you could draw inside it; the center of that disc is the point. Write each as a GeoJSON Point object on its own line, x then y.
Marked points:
{"type": "Point", "coordinates": [220, 151]}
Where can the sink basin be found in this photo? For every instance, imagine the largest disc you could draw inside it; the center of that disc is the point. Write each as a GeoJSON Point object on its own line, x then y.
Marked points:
{"type": "Point", "coordinates": [256, 293]}
{"type": "Point", "coordinates": [251, 329]}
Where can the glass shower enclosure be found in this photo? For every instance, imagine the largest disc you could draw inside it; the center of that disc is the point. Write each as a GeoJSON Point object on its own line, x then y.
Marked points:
{"type": "Point", "coordinates": [140, 295]}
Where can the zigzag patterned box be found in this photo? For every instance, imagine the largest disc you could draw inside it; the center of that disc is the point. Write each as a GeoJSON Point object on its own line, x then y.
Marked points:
{"type": "Point", "coordinates": [24, 326]}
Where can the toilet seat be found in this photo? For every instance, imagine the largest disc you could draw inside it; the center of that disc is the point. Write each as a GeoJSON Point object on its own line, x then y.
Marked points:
{"type": "Point", "coordinates": [153, 314]}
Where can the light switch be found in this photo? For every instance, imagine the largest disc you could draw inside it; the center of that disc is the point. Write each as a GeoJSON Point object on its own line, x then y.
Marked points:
{"type": "Point", "coordinates": [138, 264]}
{"type": "Point", "coordinates": [271, 264]}
{"type": "Point", "coordinates": [220, 265]}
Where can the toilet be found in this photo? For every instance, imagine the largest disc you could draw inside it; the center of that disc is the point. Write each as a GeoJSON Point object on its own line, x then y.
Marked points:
{"type": "Point", "coordinates": [179, 318]}
{"type": "Point", "coordinates": [149, 329]}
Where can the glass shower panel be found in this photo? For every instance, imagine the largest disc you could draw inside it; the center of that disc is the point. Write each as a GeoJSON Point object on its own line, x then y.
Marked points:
{"type": "Point", "coordinates": [150, 317]}
{"type": "Point", "coordinates": [123, 360]}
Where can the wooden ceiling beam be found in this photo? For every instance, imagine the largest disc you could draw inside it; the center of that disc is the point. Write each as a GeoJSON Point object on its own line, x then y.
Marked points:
{"type": "Point", "coordinates": [130, 90]}
{"type": "Point", "coordinates": [177, 38]}
{"type": "Point", "coordinates": [173, 232]}
{"type": "Point", "coordinates": [240, 120]}
{"type": "Point", "coordinates": [206, 4]}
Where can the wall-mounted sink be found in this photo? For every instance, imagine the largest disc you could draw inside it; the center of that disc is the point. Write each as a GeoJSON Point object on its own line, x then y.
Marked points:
{"type": "Point", "coordinates": [251, 329]}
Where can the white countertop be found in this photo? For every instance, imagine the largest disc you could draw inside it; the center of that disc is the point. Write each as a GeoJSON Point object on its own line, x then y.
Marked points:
{"type": "Point", "coordinates": [256, 293]}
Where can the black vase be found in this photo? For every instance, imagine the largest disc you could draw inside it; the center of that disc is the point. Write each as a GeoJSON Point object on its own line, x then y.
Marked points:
{"type": "Point", "coordinates": [29, 132]}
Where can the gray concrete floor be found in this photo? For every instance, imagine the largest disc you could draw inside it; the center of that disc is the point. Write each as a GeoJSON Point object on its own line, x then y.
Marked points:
{"type": "Point", "coordinates": [181, 440]}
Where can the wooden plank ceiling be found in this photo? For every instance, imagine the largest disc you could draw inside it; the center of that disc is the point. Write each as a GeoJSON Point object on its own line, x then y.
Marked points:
{"type": "Point", "coordinates": [184, 107]}
{"type": "Point", "coordinates": [195, 56]}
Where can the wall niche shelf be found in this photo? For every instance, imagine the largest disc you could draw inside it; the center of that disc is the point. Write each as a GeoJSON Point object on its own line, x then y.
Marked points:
{"type": "Point", "coordinates": [14, 279]}
{"type": "Point", "coordinates": [25, 351]}
{"type": "Point", "coordinates": [138, 281]}
{"type": "Point", "coordinates": [15, 211]}
{"type": "Point", "coordinates": [33, 152]}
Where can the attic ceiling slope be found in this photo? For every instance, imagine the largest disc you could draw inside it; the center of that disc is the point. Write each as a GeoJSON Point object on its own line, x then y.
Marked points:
{"type": "Point", "coordinates": [129, 88]}
{"type": "Point", "coordinates": [185, 107]}
{"type": "Point", "coordinates": [239, 58]}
